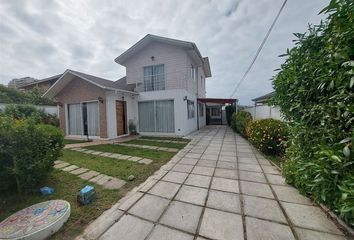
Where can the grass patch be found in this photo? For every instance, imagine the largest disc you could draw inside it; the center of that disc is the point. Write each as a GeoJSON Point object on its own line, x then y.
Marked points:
{"type": "Point", "coordinates": [116, 168]}
{"type": "Point", "coordinates": [157, 144]}
{"type": "Point", "coordinates": [132, 151]}
{"type": "Point", "coordinates": [66, 187]}
{"type": "Point", "coordinates": [166, 138]}
{"type": "Point", "coordinates": [72, 141]}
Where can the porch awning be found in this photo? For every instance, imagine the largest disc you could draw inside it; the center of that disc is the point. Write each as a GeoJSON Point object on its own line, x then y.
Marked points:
{"type": "Point", "coordinates": [218, 100]}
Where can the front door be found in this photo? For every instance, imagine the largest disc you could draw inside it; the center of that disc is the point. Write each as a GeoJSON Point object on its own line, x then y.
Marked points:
{"type": "Point", "coordinates": [121, 116]}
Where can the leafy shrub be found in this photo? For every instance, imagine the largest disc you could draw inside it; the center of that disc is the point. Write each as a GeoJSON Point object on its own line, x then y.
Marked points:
{"type": "Point", "coordinates": [10, 95]}
{"type": "Point", "coordinates": [315, 90]}
{"type": "Point", "coordinates": [27, 152]}
{"type": "Point", "coordinates": [24, 111]}
{"type": "Point", "coordinates": [268, 135]}
{"type": "Point", "coordinates": [230, 109]}
{"type": "Point", "coordinates": [239, 122]}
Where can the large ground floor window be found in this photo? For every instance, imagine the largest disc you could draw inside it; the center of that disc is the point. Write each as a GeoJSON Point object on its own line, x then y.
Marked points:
{"type": "Point", "coordinates": [157, 116]}
{"type": "Point", "coordinates": [83, 119]}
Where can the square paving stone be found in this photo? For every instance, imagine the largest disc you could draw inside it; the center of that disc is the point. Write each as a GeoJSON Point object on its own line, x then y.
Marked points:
{"type": "Point", "coordinates": [182, 168]}
{"type": "Point", "coordinates": [276, 179]}
{"type": "Point", "coordinates": [227, 165]}
{"type": "Point", "coordinates": [135, 159]}
{"type": "Point", "coordinates": [228, 158]}
{"type": "Point", "coordinates": [89, 174]}
{"type": "Point", "coordinates": [309, 217]}
{"type": "Point", "coordinates": [124, 157]}
{"type": "Point", "coordinates": [290, 194]}
{"type": "Point", "coordinates": [192, 195]}
{"type": "Point", "coordinates": [161, 232]}
{"type": "Point", "coordinates": [149, 207]}
{"type": "Point", "coordinates": [145, 161]}
{"type": "Point", "coordinates": [115, 155]}
{"type": "Point", "coordinates": [114, 183]}
{"type": "Point", "coordinates": [264, 162]}
{"type": "Point", "coordinates": [224, 184]}
{"type": "Point", "coordinates": [249, 167]}
{"type": "Point", "coordinates": [263, 208]}
{"type": "Point", "coordinates": [252, 176]}
{"type": "Point", "coordinates": [70, 168]}
{"type": "Point", "coordinates": [221, 225]}
{"type": "Point", "coordinates": [203, 170]}
{"type": "Point", "coordinates": [226, 153]}
{"type": "Point", "coordinates": [128, 228]}
{"type": "Point", "coordinates": [165, 189]}
{"type": "Point", "coordinates": [182, 216]}
{"type": "Point", "coordinates": [247, 160]}
{"type": "Point", "coordinates": [193, 155]}
{"type": "Point", "coordinates": [271, 169]}
{"type": "Point", "coordinates": [79, 171]}
{"type": "Point", "coordinates": [209, 157]}
{"type": "Point", "coordinates": [129, 201]}
{"type": "Point", "coordinates": [198, 180]}
{"type": "Point", "coordinates": [160, 174]}
{"type": "Point", "coordinates": [306, 234]}
{"type": "Point", "coordinates": [61, 165]}
{"type": "Point", "coordinates": [225, 173]}
{"type": "Point", "coordinates": [256, 189]}
{"type": "Point", "coordinates": [206, 163]}
{"type": "Point", "coordinates": [88, 151]}
{"type": "Point", "coordinates": [261, 230]}
{"type": "Point", "coordinates": [189, 161]}
{"type": "Point", "coordinates": [147, 185]}
{"type": "Point", "coordinates": [224, 201]}
{"type": "Point", "coordinates": [177, 177]}
{"type": "Point", "coordinates": [57, 162]}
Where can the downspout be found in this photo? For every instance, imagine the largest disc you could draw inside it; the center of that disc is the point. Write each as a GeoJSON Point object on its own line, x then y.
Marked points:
{"type": "Point", "coordinates": [197, 104]}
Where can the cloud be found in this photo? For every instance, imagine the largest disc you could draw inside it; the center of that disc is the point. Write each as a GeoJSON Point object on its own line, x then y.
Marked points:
{"type": "Point", "coordinates": [41, 38]}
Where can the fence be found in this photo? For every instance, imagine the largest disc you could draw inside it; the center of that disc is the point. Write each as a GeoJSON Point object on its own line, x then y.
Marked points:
{"type": "Point", "coordinates": [47, 109]}
{"type": "Point", "coordinates": [264, 111]}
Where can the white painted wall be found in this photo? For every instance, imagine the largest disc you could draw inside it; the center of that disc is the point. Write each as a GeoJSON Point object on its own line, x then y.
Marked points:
{"type": "Point", "coordinates": [132, 111]}
{"type": "Point", "coordinates": [48, 109]}
{"type": "Point", "coordinates": [183, 125]}
{"type": "Point", "coordinates": [264, 111]}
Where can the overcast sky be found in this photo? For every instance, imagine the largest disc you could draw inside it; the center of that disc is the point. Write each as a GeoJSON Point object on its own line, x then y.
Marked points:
{"type": "Point", "coordinates": [41, 38]}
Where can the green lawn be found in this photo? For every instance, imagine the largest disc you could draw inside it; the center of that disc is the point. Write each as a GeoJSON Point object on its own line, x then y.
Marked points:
{"type": "Point", "coordinates": [66, 187]}
{"type": "Point", "coordinates": [166, 138]}
{"type": "Point", "coordinates": [158, 144]}
{"type": "Point", "coordinates": [72, 141]}
{"type": "Point", "coordinates": [113, 167]}
{"type": "Point", "coordinates": [132, 151]}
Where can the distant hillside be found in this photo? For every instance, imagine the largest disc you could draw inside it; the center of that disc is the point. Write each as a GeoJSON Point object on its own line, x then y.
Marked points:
{"type": "Point", "coordinates": [10, 95]}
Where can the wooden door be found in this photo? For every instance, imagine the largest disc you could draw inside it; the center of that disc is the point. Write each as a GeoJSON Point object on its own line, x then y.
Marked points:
{"type": "Point", "coordinates": [121, 116]}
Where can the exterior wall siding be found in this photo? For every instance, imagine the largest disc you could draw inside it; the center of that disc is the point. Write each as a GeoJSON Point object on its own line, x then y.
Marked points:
{"type": "Point", "coordinates": [77, 91]}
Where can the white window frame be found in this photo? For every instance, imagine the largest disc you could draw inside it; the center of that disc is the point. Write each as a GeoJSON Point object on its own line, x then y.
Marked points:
{"type": "Point", "coordinates": [190, 109]}
{"type": "Point", "coordinates": [153, 78]}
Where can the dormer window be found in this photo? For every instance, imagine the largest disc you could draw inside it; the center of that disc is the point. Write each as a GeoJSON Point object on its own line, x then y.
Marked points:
{"type": "Point", "coordinates": [154, 77]}
{"type": "Point", "coordinates": [194, 73]}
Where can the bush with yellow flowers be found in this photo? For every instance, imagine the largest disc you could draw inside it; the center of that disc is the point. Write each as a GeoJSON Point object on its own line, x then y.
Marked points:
{"type": "Point", "coordinates": [268, 136]}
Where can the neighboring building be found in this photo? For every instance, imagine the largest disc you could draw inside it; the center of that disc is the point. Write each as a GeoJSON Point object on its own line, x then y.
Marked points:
{"type": "Point", "coordinates": [43, 84]}
{"type": "Point", "coordinates": [161, 93]}
{"type": "Point", "coordinates": [16, 82]}
{"type": "Point", "coordinates": [262, 109]}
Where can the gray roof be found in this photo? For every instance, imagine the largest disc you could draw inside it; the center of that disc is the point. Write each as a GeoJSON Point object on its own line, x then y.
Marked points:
{"type": "Point", "coordinates": [119, 84]}
{"type": "Point", "coordinates": [48, 79]}
{"type": "Point", "coordinates": [264, 97]}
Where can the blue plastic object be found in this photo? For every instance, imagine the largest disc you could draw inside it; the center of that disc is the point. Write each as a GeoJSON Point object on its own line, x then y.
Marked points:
{"type": "Point", "coordinates": [86, 195]}
{"type": "Point", "coordinates": [45, 191]}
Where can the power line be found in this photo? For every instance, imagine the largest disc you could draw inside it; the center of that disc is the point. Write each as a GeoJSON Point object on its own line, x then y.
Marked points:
{"type": "Point", "coordinates": [259, 49]}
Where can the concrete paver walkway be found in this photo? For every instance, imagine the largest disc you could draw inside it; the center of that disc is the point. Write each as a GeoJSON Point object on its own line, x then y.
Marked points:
{"type": "Point", "coordinates": [217, 187]}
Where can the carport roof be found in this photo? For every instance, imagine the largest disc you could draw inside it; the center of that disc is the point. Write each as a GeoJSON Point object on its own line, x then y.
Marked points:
{"type": "Point", "coordinates": [218, 100]}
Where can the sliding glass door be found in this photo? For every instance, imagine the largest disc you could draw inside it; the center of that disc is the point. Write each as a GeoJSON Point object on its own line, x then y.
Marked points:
{"type": "Point", "coordinates": [157, 116]}
{"type": "Point", "coordinates": [83, 119]}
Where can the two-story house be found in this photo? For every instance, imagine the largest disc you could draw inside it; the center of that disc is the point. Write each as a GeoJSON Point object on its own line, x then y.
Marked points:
{"type": "Point", "coordinates": [159, 95]}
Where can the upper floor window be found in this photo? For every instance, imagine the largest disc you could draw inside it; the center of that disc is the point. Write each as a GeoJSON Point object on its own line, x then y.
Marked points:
{"type": "Point", "coordinates": [194, 73]}
{"type": "Point", "coordinates": [190, 109]}
{"type": "Point", "coordinates": [154, 77]}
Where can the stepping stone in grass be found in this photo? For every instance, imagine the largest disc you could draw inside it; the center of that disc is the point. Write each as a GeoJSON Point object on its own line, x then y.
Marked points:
{"type": "Point", "coordinates": [115, 183]}
{"type": "Point", "coordinates": [96, 153]}
{"type": "Point", "coordinates": [79, 171]}
{"type": "Point", "coordinates": [135, 159]}
{"type": "Point", "coordinates": [61, 165]}
{"type": "Point", "coordinates": [58, 162]}
{"type": "Point", "coordinates": [106, 154]}
{"type": "Point", "coordinates": [89, 151]}
{"type": "Point", "coordinates": [115, 155]}
{"type": "Point", "coordinates": [124, 157]}
{"type": "Point", "coordinates": [89, 175]}
{"type": "Point", "coordinates": [70, 168]}
{"type": "Point", "coordinates": [145, 161]}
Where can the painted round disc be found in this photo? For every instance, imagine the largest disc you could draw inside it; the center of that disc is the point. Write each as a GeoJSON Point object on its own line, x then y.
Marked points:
{"type": "Point", "coordinates": [38, 221]}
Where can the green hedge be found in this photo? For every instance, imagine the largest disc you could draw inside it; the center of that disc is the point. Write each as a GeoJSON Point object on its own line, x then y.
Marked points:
{"type": "Point", "coordinates": [315, 90]}
{"type": "Point", "coordinates": [268, 136]}
{"type": "Point", "coordinates": [239, 122]}
{"type": "Point", "coordinates": [27, 153]}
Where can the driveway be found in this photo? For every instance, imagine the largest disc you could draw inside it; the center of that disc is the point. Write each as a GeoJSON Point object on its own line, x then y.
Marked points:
{"type": "Point", "coordinates": [217, 187]}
